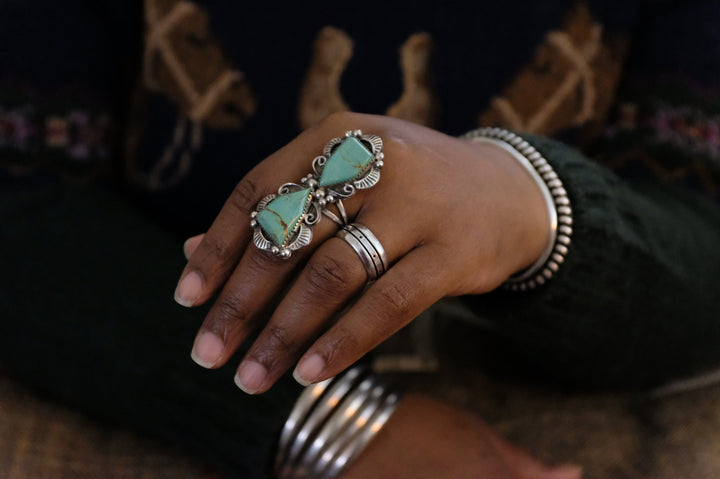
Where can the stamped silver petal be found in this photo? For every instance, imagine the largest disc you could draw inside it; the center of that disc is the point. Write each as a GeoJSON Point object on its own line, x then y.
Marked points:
{"type": "Point", "coordinates": [327, 151]}
{"type": "Point", "coordinates": [263, 202]}
{"type": "Point", "coordinates": [369, 180]}
{"type": "Point", "coordinates": [303, 238]}
{"type": "Point", "coordinates": [260, 240]}
{"type": "Point", "coordinates": [375, 141]}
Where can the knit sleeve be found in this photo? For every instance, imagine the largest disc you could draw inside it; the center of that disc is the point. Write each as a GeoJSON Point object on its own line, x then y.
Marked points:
{"type": "Point", "coordinates": [88, 318]}
{"type": "Point", "coordinates": [636, 301]}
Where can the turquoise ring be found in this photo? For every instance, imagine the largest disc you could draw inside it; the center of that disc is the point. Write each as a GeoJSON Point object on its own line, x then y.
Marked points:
{"type": "Point", "coordinates": [282, 223]}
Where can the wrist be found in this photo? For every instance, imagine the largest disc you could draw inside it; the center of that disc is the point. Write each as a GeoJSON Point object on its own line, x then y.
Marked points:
{"type": "Point", "coordinates": [556, 202]}
{"type": "Point", "coordinates": [528, 228]}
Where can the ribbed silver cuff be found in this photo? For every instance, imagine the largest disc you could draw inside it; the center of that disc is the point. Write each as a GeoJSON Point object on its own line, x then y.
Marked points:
{"type": "Point", "coordinates": [556, 199]}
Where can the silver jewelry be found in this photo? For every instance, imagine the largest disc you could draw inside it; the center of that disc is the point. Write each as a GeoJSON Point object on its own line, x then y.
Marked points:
{"type": "Point", "coordinates": [323, 407]}
{"type": "Point", "coordinates": [355, 447]}
{"type": "Point", "coordinates": [344, 413]}
{"type": "Point", "coordinates": [304, 404]}
{"type": "Point", "coordinates": [282, 223]}
{"type": "Point", "coordinates": [556, 199]}
{"type": "Point", "coordinates": [343, 220]}
{"type": "Point", "coordinates": [368, 248]}
{"type": "Point", "coordinates": [352, 409]}
{"type": "Point", "coordinates": [362, 419]}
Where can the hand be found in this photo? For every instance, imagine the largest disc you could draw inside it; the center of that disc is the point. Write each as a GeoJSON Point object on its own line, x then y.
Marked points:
{"type": "Point", "coordinates": [454, 217]}
{"type": "Point", "coordinates": [446, 443]}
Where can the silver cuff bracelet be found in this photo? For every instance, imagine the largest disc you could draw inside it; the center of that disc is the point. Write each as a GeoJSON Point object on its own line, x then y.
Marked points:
{"type": "Point", "coordinates": [556, 199]}
{"type": "Point", "coordinates": [331, 423]}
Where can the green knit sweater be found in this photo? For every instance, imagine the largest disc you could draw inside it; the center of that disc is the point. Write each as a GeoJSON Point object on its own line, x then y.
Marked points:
{"type": "Point", "coordinates": [636, 301]}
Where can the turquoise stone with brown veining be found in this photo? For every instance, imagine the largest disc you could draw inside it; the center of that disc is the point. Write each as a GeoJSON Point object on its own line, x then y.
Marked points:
{"type": "Point", "coordinates": [348, 162]}
{"type": "Point", "coordinates": [281, 215]}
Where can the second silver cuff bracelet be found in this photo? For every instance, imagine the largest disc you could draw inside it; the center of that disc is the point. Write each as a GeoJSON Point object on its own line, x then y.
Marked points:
{"type": "Point", "coordinates": [556, 198]}
{"type": "Point", "coordinates": [331, 424]}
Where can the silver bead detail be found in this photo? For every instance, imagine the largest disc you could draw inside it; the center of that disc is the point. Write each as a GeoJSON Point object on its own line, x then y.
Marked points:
{"type": "Point", "coordinates": [565, 229]}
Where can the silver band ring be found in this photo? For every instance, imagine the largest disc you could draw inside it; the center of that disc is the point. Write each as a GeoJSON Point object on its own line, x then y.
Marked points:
{"type": "Point", "coordinates": [368, 248]}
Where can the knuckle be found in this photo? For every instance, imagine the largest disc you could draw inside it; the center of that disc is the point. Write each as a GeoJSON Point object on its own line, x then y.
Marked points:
{"type": "Point", "coordinates": [280, 338]}
{"type": "Point", "coordinates": [336, 118]}
{"type": "Point", "coordinates": [262, 261]}
{"type": "Point", "coordinates": [227, 311]}
{"type": "Point", "coordinates": [245, 195]}
{"type": "Point", "coordinates": [397, 299]}
{"type": "Point", "coordinates": [219, 249]}
{"type": "Point", "coordinates": [345, 345]}
{"type": "Point", "coordinates": [328, 274]}
{"type": "Point", "coordinates": [277, 343]}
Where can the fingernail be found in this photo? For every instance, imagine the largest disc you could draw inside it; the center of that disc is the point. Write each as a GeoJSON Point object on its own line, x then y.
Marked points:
{"type": "Point", "coordinates": [190, 245]}
{"type": "Point", "coordinates": [207, 350]}
{"type": "Point", "coordinates": [189, 289]}
{"type": "Point", "coordinates": [309, 369]}
{"type": "Point", "coordinates": [250, 376]}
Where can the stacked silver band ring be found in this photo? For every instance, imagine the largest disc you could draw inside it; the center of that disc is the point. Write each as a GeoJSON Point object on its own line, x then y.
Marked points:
{"type": "Point", "coordinates": [368, 248]}
{"type": "Point", "coordinates": [331, 424]}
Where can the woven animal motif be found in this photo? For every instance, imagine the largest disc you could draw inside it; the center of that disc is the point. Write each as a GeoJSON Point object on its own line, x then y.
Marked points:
{"type": "Point", "coordinates": [331, 53]}
{"type": "Point", "coordinates": [184, 61]}
{"type": "Point", "coordinates": [570, 82]}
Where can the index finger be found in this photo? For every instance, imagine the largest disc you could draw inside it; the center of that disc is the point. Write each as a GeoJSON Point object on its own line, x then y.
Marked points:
{"type": "Point", "coordinates": [220, 249]}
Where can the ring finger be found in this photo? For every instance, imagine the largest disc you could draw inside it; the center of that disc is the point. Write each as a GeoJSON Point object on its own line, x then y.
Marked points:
{"type": "Point", "coordinates": [329, 281]}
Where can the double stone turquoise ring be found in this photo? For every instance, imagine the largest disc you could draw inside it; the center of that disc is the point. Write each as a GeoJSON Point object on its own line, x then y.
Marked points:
{"type": "Point", "coordinates": [283, 223]}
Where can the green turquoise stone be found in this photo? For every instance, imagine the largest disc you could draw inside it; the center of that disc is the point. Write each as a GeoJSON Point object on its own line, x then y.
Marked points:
{"type": "Point", "coordinates": [347, 162]}
{"type": "Point", "coordinates": [280, 216]}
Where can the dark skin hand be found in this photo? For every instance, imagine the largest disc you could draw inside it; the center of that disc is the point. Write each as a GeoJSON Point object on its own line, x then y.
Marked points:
{"type": "Point", "coordinates": [454, 217]}
{"type": "Point", "coordinates": [427, 439]}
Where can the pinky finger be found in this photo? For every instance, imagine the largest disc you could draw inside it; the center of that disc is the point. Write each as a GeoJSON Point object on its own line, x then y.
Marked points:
{"type": "Point", "coordinates": [398, 297]}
